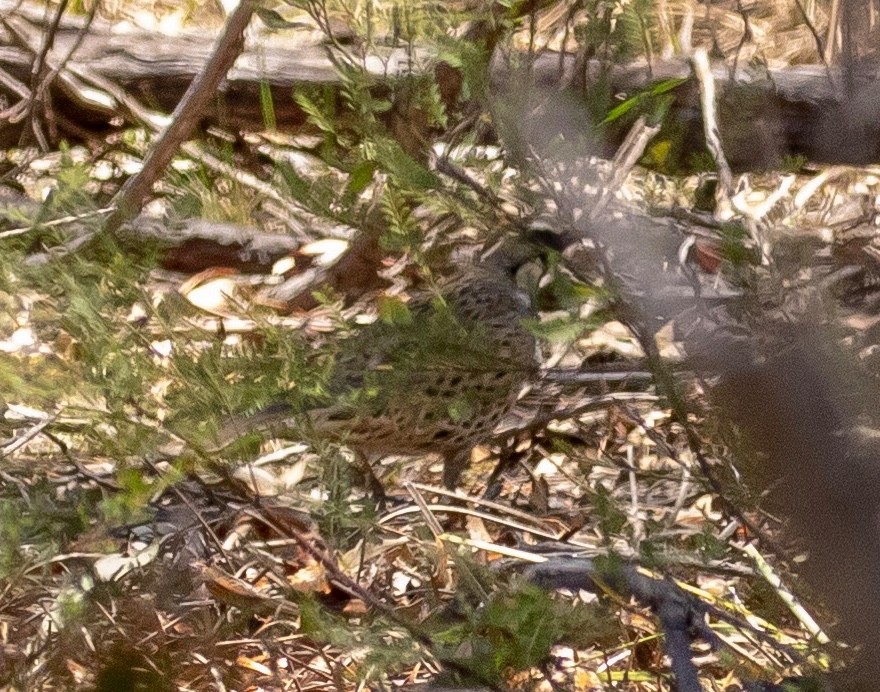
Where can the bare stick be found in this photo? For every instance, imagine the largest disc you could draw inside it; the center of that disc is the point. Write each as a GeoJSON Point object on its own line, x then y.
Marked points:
{"type": "Point", "coordinates": [703, 72]}
{"type": "Point", "coordinates": [186, 116]}
{"type": "Point", "coordinates": [627, 156]}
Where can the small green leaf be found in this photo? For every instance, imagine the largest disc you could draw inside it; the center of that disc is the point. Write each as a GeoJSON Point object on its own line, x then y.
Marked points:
{"type": "Point", "coordinates": [267, 107]}
{"type": "Point", "coordinates": [563, 330]}
{"type": "Point", "coordinates": [316, 114]}
{"type": "Point", "coordinates": [393, 159]}
{"type": "Point", "coordinates": [619, 111]}
{"type": "Point", "coordinates": [394, 311]}
{"type": "Point", "coordinates": [667, 85]}
{"type": "Point", "coordinates": [359, 178]}
{"type": "Point", "coordinates": [642, 98]}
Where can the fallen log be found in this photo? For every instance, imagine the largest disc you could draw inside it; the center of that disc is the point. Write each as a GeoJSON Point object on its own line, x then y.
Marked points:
{"type": "Point", "coordinates": [765, 115]}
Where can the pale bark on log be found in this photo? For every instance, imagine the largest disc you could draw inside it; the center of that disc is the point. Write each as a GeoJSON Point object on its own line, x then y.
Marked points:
{"type": "Point", "coordinates": [785, 103]}
{"type": "Point", "coordinates": [157, 69]}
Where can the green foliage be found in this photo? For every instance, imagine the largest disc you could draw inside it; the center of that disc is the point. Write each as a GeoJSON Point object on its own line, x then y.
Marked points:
{"type": "Point", "coordinates": [72, 607]}
{"type": "Point", "coordinates": [394, 311]}
{"type": "Point", "coordinates": [805, 684]}
{"type": "Point", "coordinates": [361, 99]}
{"type": "Point", "coordinates": [127, 669]}
{"type": "Point", "coordinates": [516, 630]}
{"type": "Point", "coordinates": [403, 168]}
{"type": "Point", "coordinates": [274, 20]}
{"type": "Point", "coordinates": [73, 193]}
{"type": "Point", "coordinates": [85, 300]}
{"type": "Point", "coordinates": [760, 597]}
{"type": "Point", "coordinates": [94, 301]}
{"type": "Point", "coordinates": [619, 29]}
{"type": "Point", "coordinates": [384, 648]}
{"type": "Point", "coordinates": [611, 518]}
{"type": "Point", "coordinates": [402, 230]}
{"type": "Point", "coordinates": [39, 381]}
{"type": "Point", "coordinates": [10, 537]}
{"type": "Point", "coordinates": [431, 340]}
{"type": "Point", "coordinates": [364, 147]}
{"type": "Point", "coordinates": [701, 161]}
{"type": "Point", "coordinates": [707, 546]}
{"type": "Point", "coordinates": [215, 382]}
{"type": "Point", "coordinates": [197, 192]}
{"type": "Point", "coordinates": [323, 625]}
{"type": "Point", "coordinates": [564, 293]}
{"type": "Point", "coordinates": [513, 631]}
{"type": "Point", "coordinates": [336, 516]}
{"type": "Point", "coordinates": [128, 505]}
{"type": "Point", "coordinates": [70, 195]}
{"type": "Point", "coordinates": [794, 163]}
{"type": "Point", "coordinates": [653, 101]}
{"type": "Point", "coordinates": [559, 330]}
{"type": "Point", "coordinates": [434, 337]}
{"type": "Point", "coordinates": [43, 521]}
{"type": "Point", "coordinates": [315, 195]}
{"type": "Point", "coordinates": [361, 176]}
{"type": "Point", "coordinates": [734, 245]}
{"type": "Point", "coordinates": [354, 120]}
{"type": "Point", "coordinates": [267, 106]}
{"type": "Point", "coordinates": [471, 59]}
{"type": "Point", "coordinates": [321, 114]}
{"type": "Point", "coordinates": [631, 33]}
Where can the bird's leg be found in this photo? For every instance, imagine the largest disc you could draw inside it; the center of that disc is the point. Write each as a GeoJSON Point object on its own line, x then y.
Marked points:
{"type": "Point", "coordinates": [493, 485]}
{"type": "Point", "coordinates": [453, 465]}
{"type": "Point", "coordinates": [508, 458]}
{"type": "Point", "coordinates": [374, 486]}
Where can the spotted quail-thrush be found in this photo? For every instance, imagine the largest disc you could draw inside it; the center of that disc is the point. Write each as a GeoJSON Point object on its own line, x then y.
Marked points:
{"type": "Point", "coordinates": [438, 380]}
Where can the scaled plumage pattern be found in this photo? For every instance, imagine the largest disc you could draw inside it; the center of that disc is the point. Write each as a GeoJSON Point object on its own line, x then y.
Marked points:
{"type": "Point", "coordinates": [439, 379]}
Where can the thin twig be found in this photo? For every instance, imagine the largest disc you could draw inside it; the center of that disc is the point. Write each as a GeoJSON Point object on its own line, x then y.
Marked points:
{"type": "Point", "coordinates": [36, 74]}
{"type": "Point", "coordinates": [820, 47]}
{"type": "Point", "coordinates": [186, 117]}
{"type": "Point", "coordinates": [785, 595]}
{"type": "Point", "coordinates": [344, 582]}
{"type": "Point", "coordinates": [21, 230]}
{"type": "Point", "coordinates": [703, 72]}
{"type": "Point", "coordinates": [627, 156]}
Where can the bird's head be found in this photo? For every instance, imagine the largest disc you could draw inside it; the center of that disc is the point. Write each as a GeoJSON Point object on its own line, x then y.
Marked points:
{"type": "Point", "coordinates": [512, 250]}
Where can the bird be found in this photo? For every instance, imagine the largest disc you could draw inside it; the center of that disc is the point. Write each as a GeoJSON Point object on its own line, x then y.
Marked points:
{"type": "Point", "coordinates": [438, 379]}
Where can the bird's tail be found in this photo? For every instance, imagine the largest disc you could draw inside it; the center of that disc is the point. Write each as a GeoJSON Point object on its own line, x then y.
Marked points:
{"type": "Point", "coordinates": [279, 415]}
